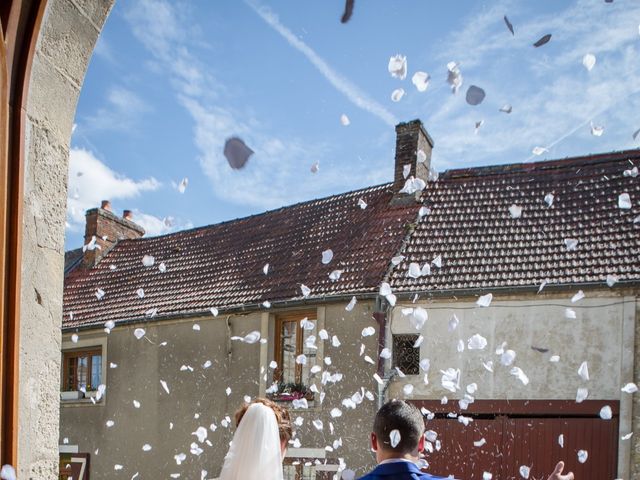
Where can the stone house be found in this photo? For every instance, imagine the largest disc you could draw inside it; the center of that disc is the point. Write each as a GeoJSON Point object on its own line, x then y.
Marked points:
{"type": "Point", "coordinates": [477, 295]}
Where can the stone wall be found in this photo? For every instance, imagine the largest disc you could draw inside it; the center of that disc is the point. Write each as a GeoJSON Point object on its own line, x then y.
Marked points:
{"type": "Point", "coordinates": [69, 32]}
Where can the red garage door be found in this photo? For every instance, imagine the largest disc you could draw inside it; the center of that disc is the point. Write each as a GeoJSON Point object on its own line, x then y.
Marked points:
{"type": "Point", "coordinates": [505, 436]}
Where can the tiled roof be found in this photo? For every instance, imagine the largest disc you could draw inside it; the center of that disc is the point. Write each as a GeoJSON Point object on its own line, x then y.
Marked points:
{"type": "Point", "coordinates": [72, 259]}
{"type": "Point", "coordinates": [469, 225]}
{"type": "Point", "coordinates": [222, 265]}
{"type": "Point", "coordinates": [483, 247]}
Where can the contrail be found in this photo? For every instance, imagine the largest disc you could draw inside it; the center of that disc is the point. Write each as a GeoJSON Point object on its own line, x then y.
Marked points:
{"type": "Point", "coordinates": [343, 85]}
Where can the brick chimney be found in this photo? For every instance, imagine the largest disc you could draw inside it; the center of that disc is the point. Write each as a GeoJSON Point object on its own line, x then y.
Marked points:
{"type": "Point", "coordinates": [412, 138]}
{"type": "Point", "coordinates": [103, 230]}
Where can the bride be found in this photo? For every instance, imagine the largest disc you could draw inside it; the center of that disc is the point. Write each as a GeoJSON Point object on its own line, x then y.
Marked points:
{"type": "Point", "coordinates": [259, 444]}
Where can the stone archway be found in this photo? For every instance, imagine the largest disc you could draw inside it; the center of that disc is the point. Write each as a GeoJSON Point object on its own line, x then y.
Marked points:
{"type": "Point", "coordinates": [48, 47]}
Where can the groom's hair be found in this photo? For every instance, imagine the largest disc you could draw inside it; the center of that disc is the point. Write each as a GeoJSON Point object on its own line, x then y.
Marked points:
{"type": "Point", "coordinates": [282, 417]}
{"type": "Point", "coordinates": [403, 417]}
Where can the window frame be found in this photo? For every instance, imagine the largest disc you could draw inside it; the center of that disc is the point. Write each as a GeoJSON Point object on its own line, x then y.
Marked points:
{"type": "Point", "coordinates": [89, 352]}
{"type": "Point", "coordinates": [281, 319]}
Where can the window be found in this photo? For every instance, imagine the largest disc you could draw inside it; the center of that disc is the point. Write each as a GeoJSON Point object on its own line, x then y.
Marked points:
{"type": "Point", "coordinates": [82, 370]}
{"type": "Point", "coordinates": [295, 336]}
{"type": "Point", "coordinates": [405, 356]}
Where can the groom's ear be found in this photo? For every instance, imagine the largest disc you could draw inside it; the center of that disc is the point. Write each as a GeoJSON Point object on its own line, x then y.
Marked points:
{"type": "Point", "coordinates": [421, 443]}
{"type": "Point", "coordinates": [374, 442]}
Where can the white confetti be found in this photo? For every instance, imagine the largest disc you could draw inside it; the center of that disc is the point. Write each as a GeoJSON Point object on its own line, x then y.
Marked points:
{"type": "Point", "coordinates": [305, 290]}
{"type": "Point", "coordinates": [606, 413]}
{"type": "Point", "coordinates": [335, 341]}
{"type": "Point", "coordinates": [418, 341]}
{"type": "Point", "coordinates": [421, 157]}
{"type": "Point", "coordinates": [351, 304]}
{"type": "Point", "coordinates": [507, 357]}
{"type": "Point", "coordinates": [315, 168]}
{"type": "Point", "coordinates": [460, 346]}
{"type": "Point", "coordinates": [589, 61]}
{"type": "Point", "coordinates": [74, 338]}
{"type": "Point", "coordinates": [425, 364]}
{"type": "Point", "coordinates": [148, 261]}
{"type": "Point", "coordinates": [139, 333]}
{"type": "Point", "coordinates": [344, 120]}
{"type": "Point", "coordinates": [407, 389]}
{"type": "Point", "coordinates": [140, 292]}
{"type": "Point", "coordinates": [450, 379]}
{"type": "Point", "coordinates": [570, 313]}
{"type": "Point", "coordinates": [301, 359]}
{"type": "Point", "coordinates": [146, 447]}
{"type": "Point", "coordinates": [577, 297]}
{"type": "Point", "coordinates": [201, 433]}
{"type": "Point", "coordinates": [488, 366]}
{"type": "Point", "coordinates": [164, 385]}
{"type": "Point", "coordinates": [632, 172]}
{"type": "Point", "coordinates": [524, 471]}
{"type": "Point", "coordinates": [162, 268]}
{"type": "Point", "coordinates": [394, 438]}
{"type": "Point", "coordinates": [554, 358]}
{"type": "Point", "coordinates": [182, 186]}
{"type": "Point", "coordinates": [506, 108]}
{"type": "Point", "coordinates": [327, 256]}
{"type": "Point", "coordinates": [537, 151]}
{"type": "Point", "coordinates": [318, 424]}
{"type": "Point", "coordinates": [583, 372]}
{"type": "Point", "coordinates": [113, 365]}
{"type": "Point", "coordinates": [581, 395]}
{"type": "Point", "coordinates": [479, 443]}
{"type": "Point", "coordinates": [454, 77]}
{"type": "Point", "coordinates": [453, 323]}
{"type": "Point", "coordinates": [612, 280]}
{"type": "Point", "coordinates": [398, 66]}
{"type": "Point", "coordinates": [214, 311]}
{"type": "Point", "coordinates": [520, 375]}
{"type": "Point", "coordinates": [323, 334]}
{"type": "Point", "coordinates": [265, 269]}
{"type": "Point", "coordinates": [421, 81]}
{"type": "Point", "coordinates": [362, 204]}
{"type": "Point", "coordinates": [582, 456]}
{"type": "Point", "coordinates": [368, 331]}
{"type": "Point", "coordinates": [378, 379]}
{"type": "Point", "coordinates": [228, 391]}
{"type": "Point", "coordinates": [437, 261]}
{"type": "Point", "coordinates": [561, 440]}
{"type": "Point", "coordinates": [136, 404]}
{"type": "Point", "coordinates": [627, 436]}
{"type": "Point", "coordinates": [477, 342]}
{"type": "Point", "coordinates": [548, 198]}
{"type": "Point", "coordinates": [485, 300]}
{"type": "Point", "coordinates": [266, 304]}
{"type": "Point", "coordinates": [196, 327]}
{"type": "Point", "coordinates": [7, 472]}
{"type": "Point", "coordinates": [99, 293]}
{"type": "Point", "coordinates": [624, 201]}
{"type": "Point", "coordinates": [397, 94]}
{"type": "Point", "coordinates": [110, 423]}
{"type": "Point", "coordinates": [571, 244]}
{"type": "Point", "coordinates": [250, 338]}
{"type": "Point", "coordinates": [630, 388]}
{"type": "Point", "coordinates": [335, 275]}
{"type": "Point", "coordinates": [207, 364]}
{"type": "Point", "coordinates": [515, 211]}
{"type": "Point", "coordinates": [336, 412]}
{"type": "Point", "coordinates": [597, 130]}
{"type": "Point", "coordinates": [413, 185]}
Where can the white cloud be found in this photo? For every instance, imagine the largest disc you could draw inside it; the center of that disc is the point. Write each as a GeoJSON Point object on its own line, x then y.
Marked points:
{"type": "Point", "coordinates": [339, 82]}
{"type": "Point", "coordinates": [278, 173]}
{"type": "Point", "coordinates": [154, 226]}
{"type": "Point", "coordinates": [91, 181]}
{"type": "Point", "coordinates": [122, 111]}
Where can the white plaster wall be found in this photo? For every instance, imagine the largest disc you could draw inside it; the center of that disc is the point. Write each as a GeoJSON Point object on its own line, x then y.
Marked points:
{"type": "Point", "coordinates": [602, 335]}
{"type": "Point", "coordinates": [67, 38]}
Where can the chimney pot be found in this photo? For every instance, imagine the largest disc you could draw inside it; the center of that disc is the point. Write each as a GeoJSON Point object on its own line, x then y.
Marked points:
{"type": "Point", "coordinates": [413, 153]}
{"type": "Point", "coordinates": [105, 205]}
{"type": "Point", "coordinates": [127, 215]}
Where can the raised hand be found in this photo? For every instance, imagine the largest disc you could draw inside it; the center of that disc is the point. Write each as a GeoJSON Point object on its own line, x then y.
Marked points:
{"type": "Point", "coordinates": [557, 473]}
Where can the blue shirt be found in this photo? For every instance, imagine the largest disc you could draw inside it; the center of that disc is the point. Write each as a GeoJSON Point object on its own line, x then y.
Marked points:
{"type": "Point", "coordinates": [398, 471]}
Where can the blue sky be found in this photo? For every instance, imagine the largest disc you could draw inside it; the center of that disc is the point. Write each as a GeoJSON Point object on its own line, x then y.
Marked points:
{"type": "Point", "coordinates": [171, 80]}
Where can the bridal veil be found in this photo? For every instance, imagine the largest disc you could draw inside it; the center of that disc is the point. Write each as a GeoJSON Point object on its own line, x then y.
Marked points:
{"type": "Point", "coordinates": [255, 450]}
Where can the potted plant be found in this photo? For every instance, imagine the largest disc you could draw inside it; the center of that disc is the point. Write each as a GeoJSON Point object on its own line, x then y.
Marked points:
{"type": "Point", "coordinates": [287, 392]}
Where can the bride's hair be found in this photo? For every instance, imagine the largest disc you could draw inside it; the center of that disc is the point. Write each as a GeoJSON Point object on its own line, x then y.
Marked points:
{"type": "Point", "coordinates": [282, 417]}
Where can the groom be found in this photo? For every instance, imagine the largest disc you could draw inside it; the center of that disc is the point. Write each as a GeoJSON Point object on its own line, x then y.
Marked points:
{"type": "Point", "coordinates": [398, 439]}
